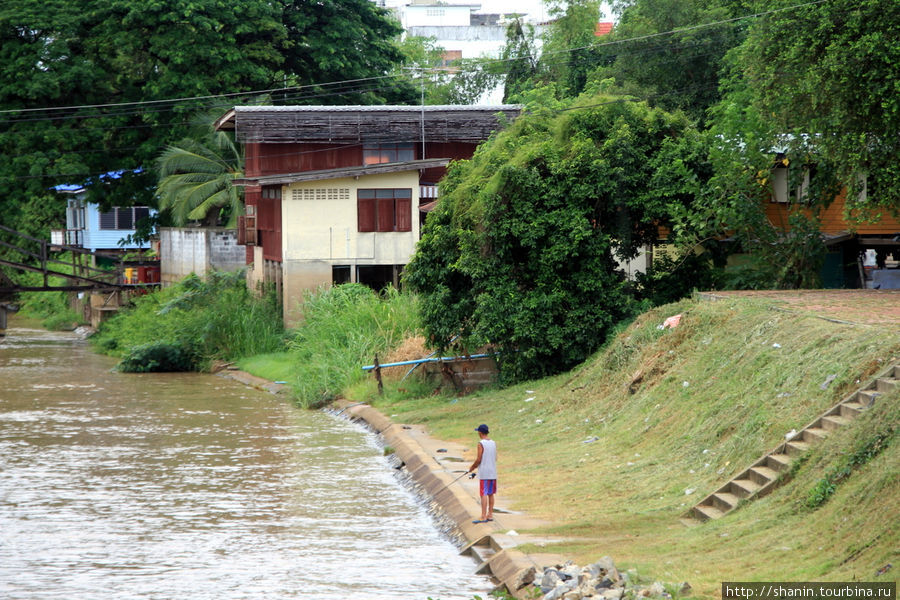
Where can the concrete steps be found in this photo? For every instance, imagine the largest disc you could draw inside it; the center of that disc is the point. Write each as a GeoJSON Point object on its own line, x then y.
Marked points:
{"type": "Point", "coordinates": [766, 473]}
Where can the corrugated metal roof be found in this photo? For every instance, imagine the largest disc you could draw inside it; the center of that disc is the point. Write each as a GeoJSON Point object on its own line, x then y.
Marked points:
{"type": "Point", "coordinates": [383, 108]}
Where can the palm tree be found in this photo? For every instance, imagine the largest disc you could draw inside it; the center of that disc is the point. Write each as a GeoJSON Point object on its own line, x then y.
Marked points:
{"type": "Point", "coordinates": [195, 179]}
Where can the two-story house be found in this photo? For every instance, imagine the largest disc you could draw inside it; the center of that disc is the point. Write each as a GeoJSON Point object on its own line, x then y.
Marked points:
{"type": "Point", "coordinates": [335, 194]}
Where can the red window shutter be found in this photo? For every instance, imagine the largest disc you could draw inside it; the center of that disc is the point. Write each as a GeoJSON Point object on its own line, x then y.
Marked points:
{"type": "Point", "coordinates": [365, 213]}
{"type": "Point", "coordinates": [241, 231]}
{"type": "Point", "coordinates": [385, 214]}
{"type": "Point", "coordinates": [404, 214]}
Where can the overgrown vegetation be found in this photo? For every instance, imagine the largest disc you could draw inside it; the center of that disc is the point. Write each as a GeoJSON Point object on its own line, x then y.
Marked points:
{"type": "Point", "coordinates": [522, 250]}
{"type": "Point", "coordinates": [188, 325]}
{"type": "Point", "coordinates": [342, 329]}
{"type": "Point", "coordinates": [616, 451]}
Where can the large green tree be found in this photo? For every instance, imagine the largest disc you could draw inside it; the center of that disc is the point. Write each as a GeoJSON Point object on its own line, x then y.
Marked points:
{"type": "Point", "coordinates": [670, 51]}
{"type": "Point", "coordinates": [120, 67]}
{"type": "Point", "coordinates": [826, 78]}
{"type": "Point", "coordinates": [521, 251]}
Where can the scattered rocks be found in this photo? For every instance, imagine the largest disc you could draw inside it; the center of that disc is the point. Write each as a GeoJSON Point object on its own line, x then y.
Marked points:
{"type": "Point", "coordinates": [600, 580]}
{"type": "Point", "coordinates": [525, 577]}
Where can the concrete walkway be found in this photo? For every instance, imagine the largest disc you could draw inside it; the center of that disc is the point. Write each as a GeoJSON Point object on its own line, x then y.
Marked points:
{"type": "Point", "coordinates": [436, 466]}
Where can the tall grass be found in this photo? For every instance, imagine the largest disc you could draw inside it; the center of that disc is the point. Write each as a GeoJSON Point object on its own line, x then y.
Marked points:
{"type": "Point", "coordinates": [204, 320]}
{"type": "Point", "coordinates": [342, 329]}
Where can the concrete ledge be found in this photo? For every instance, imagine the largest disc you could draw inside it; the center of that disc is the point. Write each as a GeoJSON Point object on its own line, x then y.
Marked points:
{"type": "Point", "coordinates": [508, 566]}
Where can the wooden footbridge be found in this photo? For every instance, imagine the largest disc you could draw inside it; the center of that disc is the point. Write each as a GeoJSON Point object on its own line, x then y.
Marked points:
{"type": "Point", "coordinates": [26, 253]}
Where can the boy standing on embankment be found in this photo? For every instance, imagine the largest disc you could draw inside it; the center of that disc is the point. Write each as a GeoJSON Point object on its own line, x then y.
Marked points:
{"type": "Point", "coordinates": [486, 463]}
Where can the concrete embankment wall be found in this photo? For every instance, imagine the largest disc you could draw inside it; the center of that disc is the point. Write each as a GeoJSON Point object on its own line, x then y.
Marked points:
{"type": "Point", "coordinates": [508, 566]}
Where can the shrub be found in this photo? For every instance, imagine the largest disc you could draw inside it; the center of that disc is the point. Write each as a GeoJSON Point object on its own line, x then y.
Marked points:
{"type": "Point", "coordinates": [157, 356]}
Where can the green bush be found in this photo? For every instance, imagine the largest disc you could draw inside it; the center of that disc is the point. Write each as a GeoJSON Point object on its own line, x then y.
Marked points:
{"type": "Point", "coordinates": [157, 356]}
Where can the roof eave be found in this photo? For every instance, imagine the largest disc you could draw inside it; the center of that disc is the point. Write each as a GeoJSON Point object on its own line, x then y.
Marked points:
{"type": "Point", "coordinates": [360, 171]}
{"type": "Point", "coordinates": [226, 121]}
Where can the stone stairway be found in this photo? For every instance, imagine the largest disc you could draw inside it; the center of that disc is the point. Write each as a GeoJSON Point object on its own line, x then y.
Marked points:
{"type": "Point", "coordinates": [763, 475]}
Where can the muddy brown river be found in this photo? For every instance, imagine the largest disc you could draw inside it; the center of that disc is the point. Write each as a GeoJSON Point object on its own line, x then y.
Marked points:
{"type": "Point", "coordinates": [190, 486]}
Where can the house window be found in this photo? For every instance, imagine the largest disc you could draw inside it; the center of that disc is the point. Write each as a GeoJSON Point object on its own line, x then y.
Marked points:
{"type": "Point", "coordinates": [384, 209]}
{"type": "Point", "coordinates": [376, 154]}
{"type": "Point", "coordinates": [782, 192]}
{"type": "Point", "coordinates": [809, 176]}
{"type": "Point", "coordinates": [271, 192]}
{"type": "Point", "coordinates": [123, 218]}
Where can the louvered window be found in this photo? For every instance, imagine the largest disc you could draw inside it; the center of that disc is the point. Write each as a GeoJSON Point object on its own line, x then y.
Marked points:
{"type": "Point", "coordinates": [123, 218]}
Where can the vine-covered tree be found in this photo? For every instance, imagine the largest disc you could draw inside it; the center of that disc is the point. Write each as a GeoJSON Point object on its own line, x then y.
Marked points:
{"type": "Point", "coordinates": [521, 251]}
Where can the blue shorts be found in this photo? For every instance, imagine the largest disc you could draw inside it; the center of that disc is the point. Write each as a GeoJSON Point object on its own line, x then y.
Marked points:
{"type": "Point", "coordinates": [488, 487]}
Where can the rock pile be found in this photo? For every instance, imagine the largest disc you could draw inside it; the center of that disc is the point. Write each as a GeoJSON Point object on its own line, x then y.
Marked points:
{"type": "Point", "coordinates": [600, 580]}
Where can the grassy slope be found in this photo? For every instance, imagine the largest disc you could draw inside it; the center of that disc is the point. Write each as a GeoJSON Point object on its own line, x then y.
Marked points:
{"type": "Point", "coordinates": [687, 409]}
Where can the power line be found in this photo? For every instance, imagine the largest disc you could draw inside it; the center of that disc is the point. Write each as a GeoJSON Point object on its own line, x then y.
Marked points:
{"type": "Point", "coordinates": [189, 98]}
{"type": "Point", "coordinates": [382, 77]}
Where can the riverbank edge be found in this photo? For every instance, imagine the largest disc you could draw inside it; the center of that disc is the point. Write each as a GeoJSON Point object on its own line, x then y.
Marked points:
{"type": "Point", "coordinates": [511, 568]}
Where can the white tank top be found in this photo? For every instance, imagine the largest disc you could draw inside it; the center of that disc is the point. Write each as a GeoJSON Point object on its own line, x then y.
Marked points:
{"type": "Point", "coordinates": [487, 469]}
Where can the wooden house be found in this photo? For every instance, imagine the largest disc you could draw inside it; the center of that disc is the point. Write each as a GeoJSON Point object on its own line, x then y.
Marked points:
{"type": "Point", "coordinates": [89, 228]}
{"type": "Point", "coordinates": [336, 194]}
{"type": "Point", "coordinates": [847, 242]}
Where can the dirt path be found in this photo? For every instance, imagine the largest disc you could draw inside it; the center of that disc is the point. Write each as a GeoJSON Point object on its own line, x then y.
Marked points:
{"type": "Point", "coordinates": [870, 307]}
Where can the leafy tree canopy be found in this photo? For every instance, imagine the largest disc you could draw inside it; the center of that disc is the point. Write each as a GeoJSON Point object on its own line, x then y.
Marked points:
{"type": "Point", "coordinates": [521, 251]}
{"type": "Point", "coordinates": [122, 65]}
{"type": "Point", "coordinates": [824, 79]}
{"type": "Point", "coordinates": [678, 69]}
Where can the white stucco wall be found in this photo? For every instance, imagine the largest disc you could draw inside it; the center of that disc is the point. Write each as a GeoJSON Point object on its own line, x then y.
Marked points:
{"type": "Point", "coordinates": [327, 229]}
{"type": "Point", "coordinates": [318, 234]}
{"type": "Point", "coordinates": [186, 250]}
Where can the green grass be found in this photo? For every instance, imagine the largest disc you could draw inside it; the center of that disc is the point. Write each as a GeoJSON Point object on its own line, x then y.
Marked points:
{"type": "Point", "coordinates": [274, 366]}
{"type": "Point", "coordinates": [686, 409]}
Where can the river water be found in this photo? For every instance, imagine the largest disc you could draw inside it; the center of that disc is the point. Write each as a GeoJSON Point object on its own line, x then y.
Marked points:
{"type": "Point", "coordinates": [191, 486]}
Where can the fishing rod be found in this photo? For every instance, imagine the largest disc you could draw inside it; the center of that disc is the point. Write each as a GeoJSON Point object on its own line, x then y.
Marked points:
{"type": "Point", "coordinates": [451, 483]}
